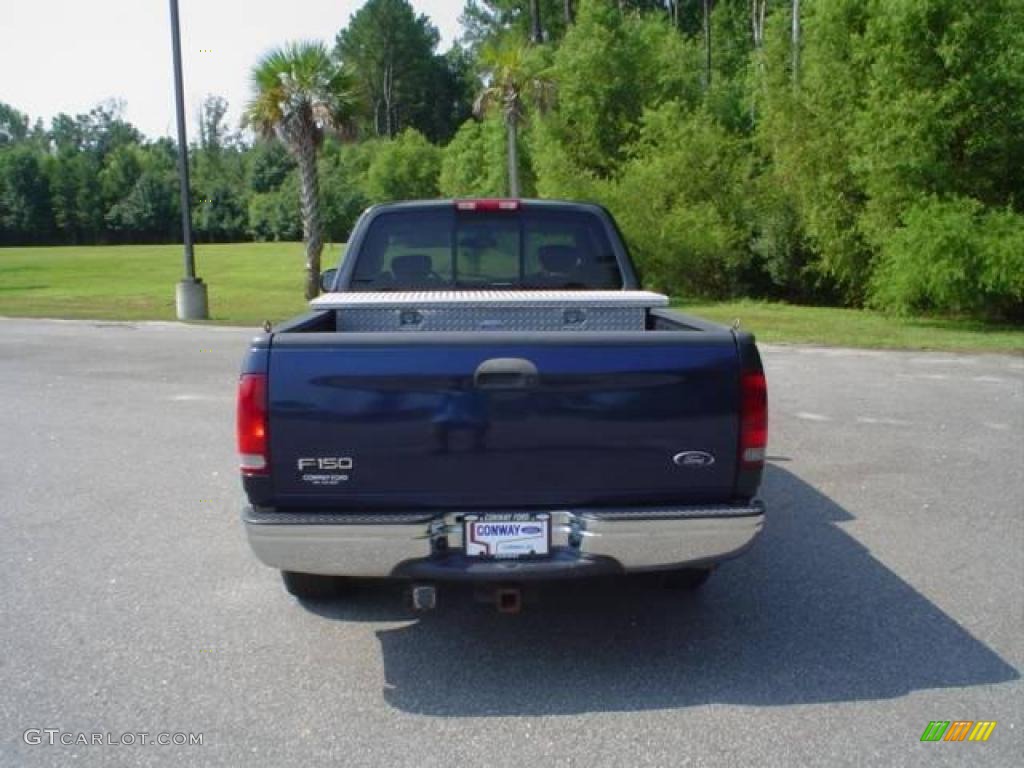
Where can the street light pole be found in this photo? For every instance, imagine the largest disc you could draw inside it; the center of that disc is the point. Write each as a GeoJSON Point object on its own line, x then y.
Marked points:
{"type": "Point", "coordinates": [190, 294]}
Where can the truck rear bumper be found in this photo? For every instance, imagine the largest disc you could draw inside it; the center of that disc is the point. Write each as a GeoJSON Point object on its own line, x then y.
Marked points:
{"type": "Point", "coordinates": [428, 546]}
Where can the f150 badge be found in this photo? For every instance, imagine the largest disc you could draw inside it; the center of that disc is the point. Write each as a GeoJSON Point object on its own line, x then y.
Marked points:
{"type": "Point", "coordinates": [325, 470]}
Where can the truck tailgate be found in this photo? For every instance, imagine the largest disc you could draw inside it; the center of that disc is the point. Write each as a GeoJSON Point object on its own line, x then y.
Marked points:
{"type": "Point", "coordinates": [465, 421]}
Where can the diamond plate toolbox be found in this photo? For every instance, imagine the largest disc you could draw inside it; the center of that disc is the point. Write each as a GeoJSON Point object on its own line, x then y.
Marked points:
{"type": "Point", "coordinates": [491, 310]}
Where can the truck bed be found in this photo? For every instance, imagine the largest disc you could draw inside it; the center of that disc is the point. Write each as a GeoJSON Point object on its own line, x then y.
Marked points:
{"type": "Point", "coordinates": [456, 420]}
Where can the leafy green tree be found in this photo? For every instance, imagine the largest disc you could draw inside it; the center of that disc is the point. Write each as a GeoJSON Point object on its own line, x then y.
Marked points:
{"type": "Point", "coordinates": [600, 91]}
{"type": "Point", "coordinates": [953, 256]}
{"type": "Point", "coordinates": [77, 201]}
{"type": "Point", "coordinates": [26, 215]}
{"type": "Point", "coordinates": [150, 211]}
{"type": "Point", "coordinates": [274, 215]}
{"type": "Point", "coordinates": [218, 176]}
{"type": "Point", "coordinates": [679, 199]}
{"type": "Point", "coordinates": [405, 168]}
{"type": "Point", "coordinates": [451, 101]}
{"type": "Point", "coordinates": [898, 102]}
{"type": "Point", "coordinates": [344, 168]}
{"type": "Point", "coordinates": [121, 170]}
{"type": "Point", "coordinates": [269, 163]}
{"type": "Point", "coordinates": [63, 188]}
{"type": "Point", "coordinates": [100, 131]}
{"type": "Point", "coordinates": [808, 140]}
{"type": "Point", "coordinates": [484, 22]}
{"type": "Point", "coordinates": [943, 108]}
{"type": "Point", "coordinates": [82, 186]}
{"type": "Point", "coordinates": [473, 163]}
{"type": "Point", "coordinates": [13, 125]}
{"type": "Point", "coordinates": [783, 261]}
{"type": "Point", "coordinates": [391, 52]}
{"type": "Point", "coordinates": [147, 212]}
{"type": "Point", "coordinates": [300, 93]}
{"type": "Point", "coordinates": [609, 69]}
{"type": "Point", "coordinates": [222, 212]}
{"type": "Point", "coordinates": [214, 134]}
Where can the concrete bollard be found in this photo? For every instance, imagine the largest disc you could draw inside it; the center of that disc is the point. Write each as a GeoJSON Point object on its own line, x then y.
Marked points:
{"type": "Point", "coordinates": [191, 301]}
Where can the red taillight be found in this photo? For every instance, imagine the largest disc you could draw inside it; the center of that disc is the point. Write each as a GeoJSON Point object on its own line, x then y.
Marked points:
{"type": "Point", "coordinates": [252, 424]}
{"type": "Point", "coordinates": [753, 420]}
{"type": "Point", "coordinates": [487, 205]}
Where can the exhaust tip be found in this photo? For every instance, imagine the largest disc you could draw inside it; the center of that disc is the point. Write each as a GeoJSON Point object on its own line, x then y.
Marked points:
{"type": "Point", "coordinates": [424, 597]}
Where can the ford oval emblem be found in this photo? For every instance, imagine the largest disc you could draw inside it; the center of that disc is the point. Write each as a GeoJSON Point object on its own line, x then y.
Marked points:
{"type": "Point", "coordinates": [693, 459]}
{"type": "Point", "coordinates": [531, 530]}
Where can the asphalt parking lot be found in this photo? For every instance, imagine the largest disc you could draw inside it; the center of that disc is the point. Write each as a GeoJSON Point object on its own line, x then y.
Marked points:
{"type": "Point", "coordinates": [886, 592]}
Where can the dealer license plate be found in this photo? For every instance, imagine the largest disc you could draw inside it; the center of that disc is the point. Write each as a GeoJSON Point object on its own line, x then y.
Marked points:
{"type": "Point", "coordinates": [508, 536]}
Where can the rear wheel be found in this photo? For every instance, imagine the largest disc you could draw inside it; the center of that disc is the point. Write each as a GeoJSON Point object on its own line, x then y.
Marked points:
{"type": "Point", "coordinates": [687, 578]}
{"type": "Point", "coordinates": [312, 586]}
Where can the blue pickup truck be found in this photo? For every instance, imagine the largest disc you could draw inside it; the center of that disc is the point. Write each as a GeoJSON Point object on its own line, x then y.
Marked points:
{"type": "Point", "coordinates": [482, 393]}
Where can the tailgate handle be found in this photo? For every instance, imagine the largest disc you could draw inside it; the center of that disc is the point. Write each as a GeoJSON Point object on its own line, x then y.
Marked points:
{"type": "Point", "coordinates": [505, 373]}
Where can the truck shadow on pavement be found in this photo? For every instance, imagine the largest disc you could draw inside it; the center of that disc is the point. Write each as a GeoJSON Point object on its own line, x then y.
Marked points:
{"type": "Point", "coordinates": [808, 615]}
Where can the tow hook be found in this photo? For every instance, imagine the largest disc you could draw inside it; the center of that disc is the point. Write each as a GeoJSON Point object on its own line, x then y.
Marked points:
{"type": "Point", "coordinates": [508, 599]}
{"type": "Point", "coordinates": [424, 597]}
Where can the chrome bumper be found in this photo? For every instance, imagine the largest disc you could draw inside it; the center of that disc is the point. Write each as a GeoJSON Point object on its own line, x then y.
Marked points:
{"type": "Point", "coordinates": [416, 545]}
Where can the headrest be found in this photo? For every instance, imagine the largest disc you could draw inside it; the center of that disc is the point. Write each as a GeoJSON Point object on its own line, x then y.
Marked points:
{"type": "Point", "coordinates": [559, 259]}
{"type": "Point", "coordinates": [411, 265]}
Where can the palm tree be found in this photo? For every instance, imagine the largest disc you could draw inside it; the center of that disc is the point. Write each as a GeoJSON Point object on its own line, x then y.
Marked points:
{"type": "Point", "coordinates": [299, 93]}
{"type": "Point", "coordinates": [707, 6]}
{"type": "Point", "coordinates": [536, 31]}
{"type": "Point", "coordinates": [795, 38]}
{"type": "Point", "coordinates": [515, 79]}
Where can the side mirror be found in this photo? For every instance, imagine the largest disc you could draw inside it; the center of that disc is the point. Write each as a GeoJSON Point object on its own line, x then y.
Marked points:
{"type": "Point", "coordinates": [327, 278]}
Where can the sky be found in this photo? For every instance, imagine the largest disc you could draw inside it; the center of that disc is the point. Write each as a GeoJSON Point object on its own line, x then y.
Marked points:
{"type": "Point", "coordinates": [69, 55]}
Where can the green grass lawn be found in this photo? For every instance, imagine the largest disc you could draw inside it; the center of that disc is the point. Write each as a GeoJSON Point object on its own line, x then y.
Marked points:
{"type": "Point", "coordinates": [253, 282]}
{"type": "Point", "coordinates": [247, 282]}
{"type": "Point", "coordinates": [791, 324]}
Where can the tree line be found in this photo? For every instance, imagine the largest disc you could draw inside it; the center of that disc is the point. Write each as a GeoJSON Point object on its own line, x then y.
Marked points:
{"type": "Point", "coordinates": [856, 152]}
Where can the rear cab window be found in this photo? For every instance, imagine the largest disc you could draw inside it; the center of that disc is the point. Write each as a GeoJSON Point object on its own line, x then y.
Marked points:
{"type": "Point", "coordinates": [447, 249]}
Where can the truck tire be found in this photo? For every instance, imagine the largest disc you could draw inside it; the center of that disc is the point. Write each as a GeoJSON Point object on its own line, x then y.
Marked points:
{"type": "Point", "coordinates": [687, 578]}
{"type": "Point", "coordinates": [312, 586]}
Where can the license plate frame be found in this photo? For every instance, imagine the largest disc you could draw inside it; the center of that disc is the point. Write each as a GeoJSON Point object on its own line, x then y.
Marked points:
{"type": "Point", "coordinates": [501, 536]}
